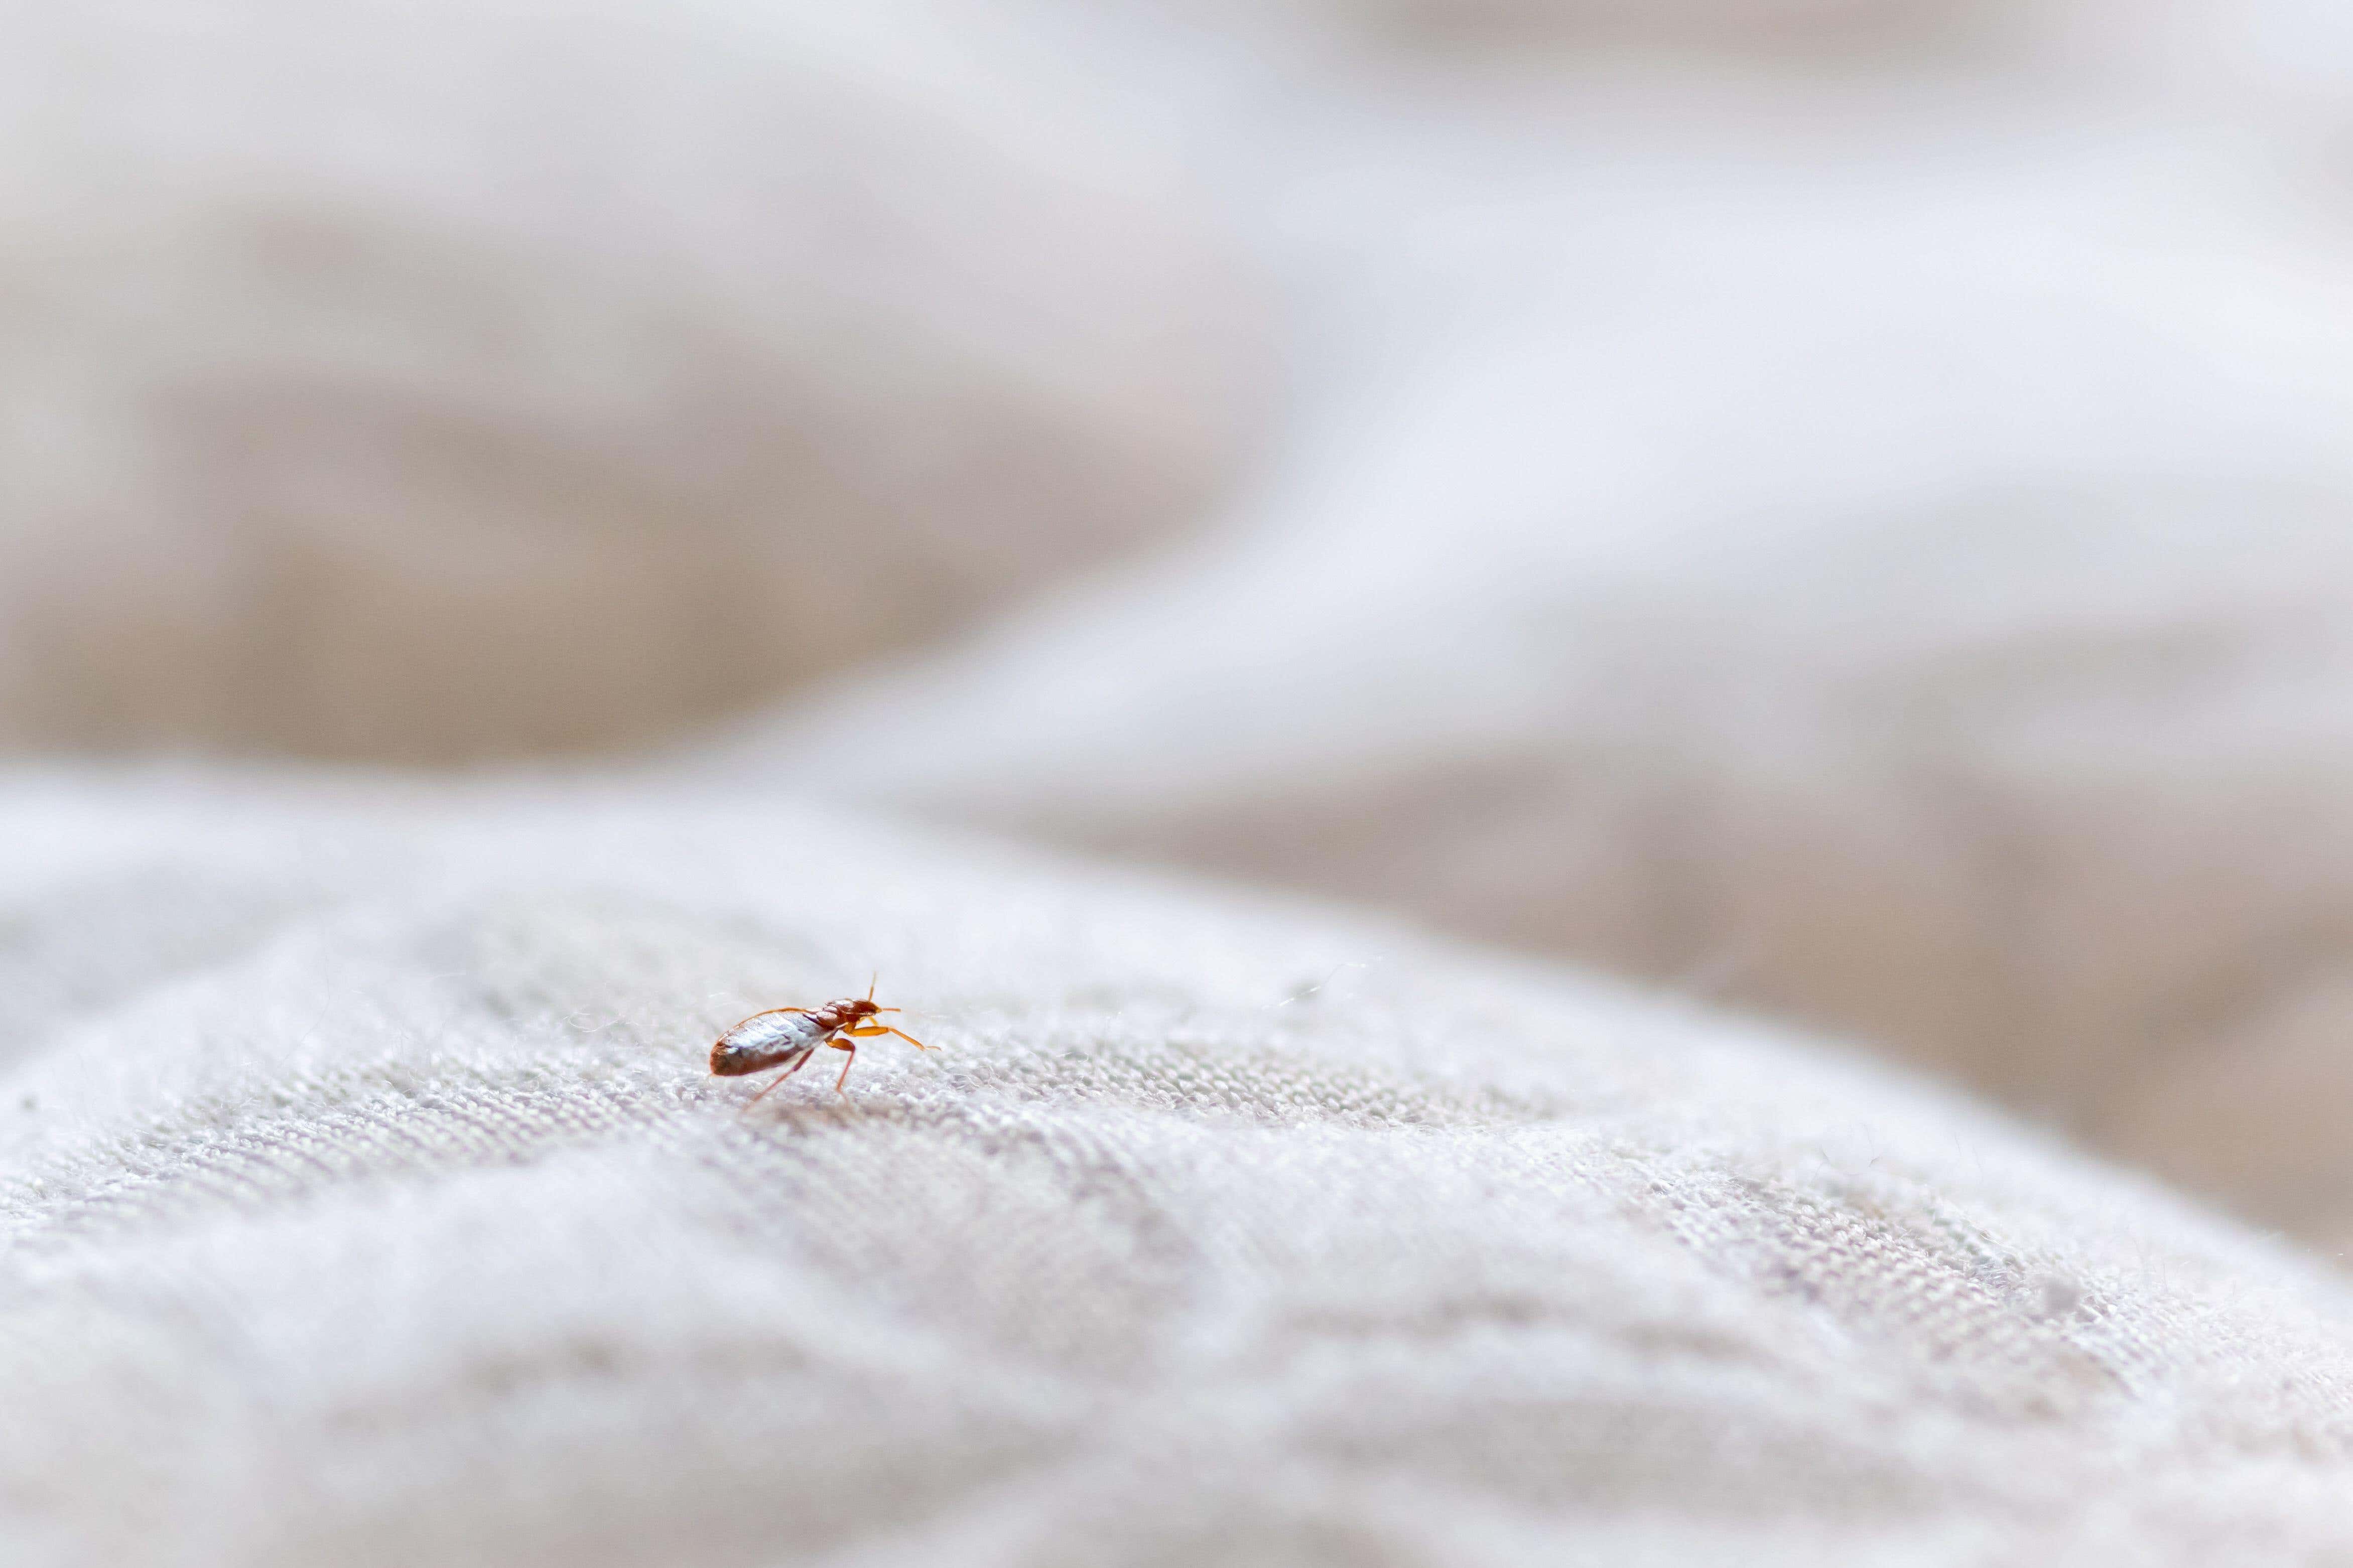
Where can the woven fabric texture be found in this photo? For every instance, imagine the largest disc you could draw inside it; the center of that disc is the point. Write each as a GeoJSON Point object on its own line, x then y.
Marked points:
{"type": "Point", "coordinates": [1838, 508]}
{"type": "Point", "coordinates": [367, 1202]}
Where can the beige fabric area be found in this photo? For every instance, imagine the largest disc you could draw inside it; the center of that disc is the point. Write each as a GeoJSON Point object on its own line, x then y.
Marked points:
{"type": "Point", "coordinates": [368, 1203]}
{"type": "Point", "coordinates": [432, 382]}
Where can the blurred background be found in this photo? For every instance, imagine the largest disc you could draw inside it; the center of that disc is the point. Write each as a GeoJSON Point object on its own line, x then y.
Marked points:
{"type": "Point", "coordinates": [1841, 508]}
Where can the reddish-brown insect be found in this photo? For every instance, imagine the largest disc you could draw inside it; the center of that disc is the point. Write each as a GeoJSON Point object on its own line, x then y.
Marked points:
{"type": "Point", "coordinates": [787, 1036]}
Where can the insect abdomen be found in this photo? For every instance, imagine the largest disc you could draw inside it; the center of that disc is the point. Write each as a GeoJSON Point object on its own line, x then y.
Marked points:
{"type": "Point", "coordinates": [767, 1041]}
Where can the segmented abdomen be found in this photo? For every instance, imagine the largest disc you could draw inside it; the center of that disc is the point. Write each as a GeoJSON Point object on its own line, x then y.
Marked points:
{"type": "Point", "coordinates": [769, 1038]}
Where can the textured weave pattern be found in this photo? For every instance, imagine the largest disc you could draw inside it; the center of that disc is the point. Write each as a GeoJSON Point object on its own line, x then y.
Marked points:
{"type": "Point", "coordinates": [366, 1202]}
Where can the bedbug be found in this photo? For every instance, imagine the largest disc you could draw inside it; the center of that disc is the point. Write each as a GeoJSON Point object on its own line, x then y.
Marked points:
{"type": "Point", "coordinates": [787, 1036]}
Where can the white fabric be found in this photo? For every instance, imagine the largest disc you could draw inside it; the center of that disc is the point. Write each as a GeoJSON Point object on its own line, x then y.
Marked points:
{"type": "Point", "coordinates": [1858, 534]}
{"type": "Point", "coordinates": [368, 1201]}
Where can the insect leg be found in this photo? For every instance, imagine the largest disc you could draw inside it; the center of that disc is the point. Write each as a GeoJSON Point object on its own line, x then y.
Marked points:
{"type": "Point", "coordinates": [868, 1031]}
{"type": "Point", "coordinates": [791, 1067]}
{"type": "Point", "coordinates": [845, 1069]}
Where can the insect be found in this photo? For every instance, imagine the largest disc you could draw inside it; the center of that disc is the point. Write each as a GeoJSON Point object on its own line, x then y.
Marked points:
{"type": "Point", "coordinates": [787, 1036]}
